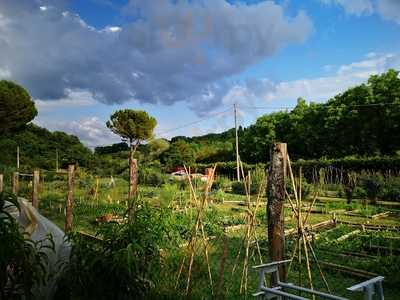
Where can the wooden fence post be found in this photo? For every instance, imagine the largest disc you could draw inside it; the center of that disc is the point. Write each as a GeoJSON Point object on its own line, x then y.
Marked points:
{"type": "Point", "coordinates": [35, 189]}
{"type": "Point", "coordinates": [70, 199]}
{"type": "Point", "coordinates": [133, 177]}
{"type": "Point", "coordinates": [1, 182]}
{"type": "Point", "coordinates": [275, 206]}
{"type": "Point", "coordinates": [15, 183]}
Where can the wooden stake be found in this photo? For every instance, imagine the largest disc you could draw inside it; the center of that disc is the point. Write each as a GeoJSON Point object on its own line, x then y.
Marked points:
{"type": "Point", "coordinates": [17, 157]}
{"type": "Point", "coordinates": [237, 144]}
{"type": "Point", "coordinates": [1, 182]}
{"type": "Point", "coordinates": [35, 189]}
{"type": "Point", "coordinates": [70, 199]}
{"type": "Point", "coordinates": [15, 181]}
{"type": "Point", "coordinates": [56, 160]}
{"type": "Point", "coordinates": [275, 205]}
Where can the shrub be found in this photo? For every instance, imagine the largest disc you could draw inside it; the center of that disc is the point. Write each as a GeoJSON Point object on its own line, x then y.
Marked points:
{"type": "Point", "coordinates": [305, 188]}
{"type": "Point", "coordinates": [359, 193]}
{"type": "Point", "coordinates": [373, 185]}
{"type": "Point", "coordinates": [168, 194]}
{"type": "Point", "coordinates": [221, 183]}
{"type": "Point", "coordinates": [219, 196]}
{"type": "Point", "coordinates": [151, 176]}
{"type": "Point", "coordinates": [239, 188]}
{"type": "Point", "coordinates": [391, 190]}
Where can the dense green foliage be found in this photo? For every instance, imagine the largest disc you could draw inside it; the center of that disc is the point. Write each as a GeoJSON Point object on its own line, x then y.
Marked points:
{"type": "Point", "coordinates": [134, 126]}
{"type": "Point", "coordinates": [376, 186]}
{"type": "Point", "coordinates": [211, 147]}
{"type": "Point", "coordinates": [38, 148]}
{"type": "Point", "coordinates": [114, 148]}
{"type": "Point", "coordinates": [16, 107]}
{"type": "Point", "coordinates": [179, 153]}
{"type": "Point", "coordinates": [125, 265]}
{"type": "Point", "coordinates": [364, 121]}
{"type": "Point", "coordinates": [23, 262]}
{"type": "Point", "coordinates": [342, 133]}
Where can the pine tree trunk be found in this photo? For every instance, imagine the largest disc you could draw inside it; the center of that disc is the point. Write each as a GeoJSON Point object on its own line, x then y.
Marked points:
{"type": "Point", "coordinates": [133, 174]}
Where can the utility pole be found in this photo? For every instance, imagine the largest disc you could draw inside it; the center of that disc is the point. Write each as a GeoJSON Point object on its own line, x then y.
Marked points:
{"type": "Point", "coordinates": [237, 143]}
{"type": "Point", "coordinates": [17, 157]}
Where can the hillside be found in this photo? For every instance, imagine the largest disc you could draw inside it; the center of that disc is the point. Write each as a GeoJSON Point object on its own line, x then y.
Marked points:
{"type": "Point", "coordinates": [38, 147]}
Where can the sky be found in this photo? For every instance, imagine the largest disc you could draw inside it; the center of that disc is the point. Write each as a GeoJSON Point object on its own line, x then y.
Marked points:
{"type": "Point", "coordinates": [187, 62]}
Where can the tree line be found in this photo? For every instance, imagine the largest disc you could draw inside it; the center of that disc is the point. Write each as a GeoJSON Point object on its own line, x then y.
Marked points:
{"type": "Point", "coordinates": [363, 121]}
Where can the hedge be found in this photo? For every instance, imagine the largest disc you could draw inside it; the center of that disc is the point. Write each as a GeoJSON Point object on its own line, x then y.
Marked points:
{"type": "Point", "coordinates": [373, 164]}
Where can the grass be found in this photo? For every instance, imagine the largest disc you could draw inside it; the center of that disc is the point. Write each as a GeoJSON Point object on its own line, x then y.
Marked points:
{"type": "Point", "coordinates": [112, 200]}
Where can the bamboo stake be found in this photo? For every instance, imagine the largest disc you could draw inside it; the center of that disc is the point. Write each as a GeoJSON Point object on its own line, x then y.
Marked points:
{"type": "Point", "coordinates": [307, 262]}
{"type": "Point", "coordinates": [310, 208]}
{"type": "Point", "coordinates": [291, 203]}
{"type": "Point", "coordinates": [191, 247]}
{"type": "Point", "coordinates": [205, 243]}
{"type": "Point", "coordinates": [293, 256]}
{"type": "Point", "coordinates": [250, 233]}
{"type": "Point", "coordinates": [220, 295]}
{"type": "Point", "coordinates": [319, 267]}
{"type": "Point", "coordinates": [292, 178]}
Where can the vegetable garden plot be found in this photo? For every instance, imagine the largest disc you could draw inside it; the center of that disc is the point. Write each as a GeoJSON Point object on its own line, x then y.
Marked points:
{"type": "Point", "coordinates": [372, 252]}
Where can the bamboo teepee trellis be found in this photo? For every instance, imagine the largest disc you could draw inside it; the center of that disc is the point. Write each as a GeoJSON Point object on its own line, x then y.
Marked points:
{"type": "Point", "coordinates": [198, 234]}
{"type": "Point", "coordinates": [250, 237]}
{"type": "Point", "coordinates": [302, 239]}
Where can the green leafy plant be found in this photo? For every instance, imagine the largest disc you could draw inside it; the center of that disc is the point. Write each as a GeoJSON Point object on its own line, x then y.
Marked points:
{"type": "Point", "coordinates": [124, 263]}
{"type": "Point", "coordinates": [23, 262]}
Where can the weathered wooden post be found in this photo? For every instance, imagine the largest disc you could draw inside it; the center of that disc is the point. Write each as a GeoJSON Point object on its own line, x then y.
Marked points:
{"type": "Point", "coordinates": [133, 177]}
{"type": "Point", "coordinates": [275, 206]}
{"type": "Point", "coordinates": [1, 182]}
{"type": "Point", "coordinates": [35, 189]}
{"type": "Point", "coordinates": [70, 199]}
{"type": "Point", "coordinates": [15, 183]}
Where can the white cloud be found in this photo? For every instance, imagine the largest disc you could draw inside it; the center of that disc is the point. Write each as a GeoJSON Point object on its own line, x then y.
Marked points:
{"type": "Point", "coordinates": [389, 10]}
{"type": "Point", "coordinates": [91, 131]}
{"type": "Point", "coordinates": [354, 7]}
{"type": "Point", "coordinates": [112, 29]}
{"type": "Point", "coordinates": [264, 91]}
{"type": "Point", "coordinates": [171, 52]}
{"type": "Point", "coordinates": [4, 74]}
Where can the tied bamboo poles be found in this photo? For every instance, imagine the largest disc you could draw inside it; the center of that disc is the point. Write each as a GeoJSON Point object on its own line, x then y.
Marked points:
{"type": "Point", "coordinates": [251, 225]}
{"type": "Point", "coordinates": [250, 238]}
{"type": "Point", "coordinates": [303, 245]}
{"type": "Point", "coordinates": [198, 235]}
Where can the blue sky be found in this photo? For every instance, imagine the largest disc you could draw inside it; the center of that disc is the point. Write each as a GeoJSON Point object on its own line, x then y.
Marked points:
{"type": "Point", "coordinates": [186, 60]}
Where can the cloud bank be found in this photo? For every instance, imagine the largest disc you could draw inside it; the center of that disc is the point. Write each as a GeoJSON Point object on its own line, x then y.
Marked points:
{"type": "Point", "coordinates": [262, 92]}
{"type": "Point", "coordinates": [170, 50]}
{"type": "Point", "coordinates": [387, 9]}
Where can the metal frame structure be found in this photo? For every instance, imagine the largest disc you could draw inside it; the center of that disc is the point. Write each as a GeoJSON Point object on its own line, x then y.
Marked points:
{"type": "Point", "coordinates": [369, 288]}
